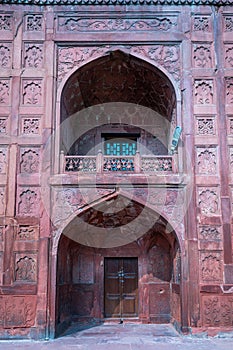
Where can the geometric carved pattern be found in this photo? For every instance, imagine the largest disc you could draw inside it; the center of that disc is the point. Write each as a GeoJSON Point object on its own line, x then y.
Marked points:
{"type": "Point", "coordinates": [2, 232]}
{"type": "Point", "coordinates": [203, 91]}
{"type": "Point", "coordinates": [30, 125]}
{"type": "Point", "coordinates": [229, 90]}
{"type": "Point", "coordinates": [33, 55]}
{"type": "Point", "coordinates": [206, 160]}
{"type": "Point", "coordinates": [3, 125]}
{"type": "Point", "coordinates": [228, 25]}
{"type": "Point", "coordinates": [26, 268]}
{"type": "Point", "coordinates": [3, 160]}
{"type": "Point", "coordinates": [229, 56]}
{"type": "Point", "coordinates": [217, 311]}
{"type": "Point", "coordinates": [17, 311]}
{"type": "Point", "coordinates": [5, 55]}
{"type": "Point", "coordinates": [208, 200]}
{"type": "Point", "coordinates": [210, 233]}
{"type": "Point", "coordinates": [205, 126]}
{"type": "Point", "coordinates": [202, 56]}
{"type": "Point", "coordinates": [211, 267]}
{"type": "Point", "coordinates": [32, 93]}
{"type": "Point", "coordinates": [72, 24]}
{"type": "Point", "coordinates": [26, 233]}
{"type": "Point", "coordinates": [5, 22]}
{"type": "Point", "coordinates": [28, 203]}
{"type": "Point", "coordinates": [34, 23]}
{"type": "Point", "coordinates": [201, 24]}
{"type": "Point", "coordinates": [4, 92]}
{"type": "Point", "coordinates": [30, 161]}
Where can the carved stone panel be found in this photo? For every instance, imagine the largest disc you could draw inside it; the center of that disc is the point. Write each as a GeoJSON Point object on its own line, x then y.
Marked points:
{"type": "Point", "coordinates": [231, 159]}
{"type": "Point", "coordinates": [4, 92]}
{"type": "Point", "coordinates": [228, 56]}
{"type": "Point", "coordinates": [100, 24]}
{"type": "Point", "coordinates": [34, 23]}
{"type": "Point", "coordinates": [5, 55]}
{"type": "Point", "coordinates": [5, 22]}
{"type": "Point", "coordinates": [206, 160]}
{"type": "Point", "coordinates": [32, 92]}
{"type": "Point", "coordinates": [230, 124]}
{"type": "Point", "coordinates": [203, 92]}
{"type": "Point", "coordinates": [210, 233]}
{"type": "Point", "coordinates": [217, 311]}
{"type": "Point", "coordinates": [208, 200]}
{"type": "Point", "coordinates": [229, 90]}
{"type": "Point", "coordinates": [2, 200]}
{"type": "Point", "coordinates": [27, 233]}
{"type": "Point", "coordinates": [3, 159]}
{"type": "Point", "coordinates": [201, 24]}
{"type": "Point", "coordinates": [3, 125]}
{"type": "Point", "coordinates": [30, 125]}
{"type": "Point", "coordinates": [17, 311]}
{"type": "Point", "coordinates": [30, 160]}
{"type": "Point", "coordinates": [211, 267]}
{"type": "Point", "coordinates": [26, 267]}
{"type": "Point", "coordinates": [228, 24]}
{"type": "Point", "coordinates": [202, 57]}
{"type": "Point", "coordinates": [29, 202]}
{"type": "Point", "coordinates": [205, 125]}
{"type": "Point", "coordinates": [33, 55]}
{"type": "Point", "coordinates": [2, 233]}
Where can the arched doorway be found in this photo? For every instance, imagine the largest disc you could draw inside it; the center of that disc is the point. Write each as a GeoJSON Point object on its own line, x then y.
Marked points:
{"type": "Point", "coordinates": [118, 104]}
{"type": "Point", "coordinates": [138, 281]}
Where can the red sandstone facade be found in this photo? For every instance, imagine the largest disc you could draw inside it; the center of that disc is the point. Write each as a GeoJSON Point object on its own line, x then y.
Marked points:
{"type": "Point", "coordinates": [87, 235]}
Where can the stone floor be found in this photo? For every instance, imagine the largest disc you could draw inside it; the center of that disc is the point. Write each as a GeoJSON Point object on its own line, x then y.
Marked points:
{"type": "Point", "coordinates": [126, 337]}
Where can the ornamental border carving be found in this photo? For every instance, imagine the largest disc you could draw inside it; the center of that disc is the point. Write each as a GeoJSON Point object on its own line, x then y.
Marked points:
{"type": "Point", "coordinates": [165, 56]}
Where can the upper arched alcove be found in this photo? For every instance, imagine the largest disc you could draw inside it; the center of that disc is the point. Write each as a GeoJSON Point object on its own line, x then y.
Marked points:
{"type": "Point", "coordinates": [118, 77]}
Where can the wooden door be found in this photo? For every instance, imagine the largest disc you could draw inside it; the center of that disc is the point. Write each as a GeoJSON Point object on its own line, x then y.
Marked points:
{"type": "Point", "coordinates": [121, 287]}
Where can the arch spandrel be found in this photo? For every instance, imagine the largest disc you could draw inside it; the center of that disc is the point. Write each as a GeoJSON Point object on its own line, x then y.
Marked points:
{"type": "Point", "coordinates": [168, 209]}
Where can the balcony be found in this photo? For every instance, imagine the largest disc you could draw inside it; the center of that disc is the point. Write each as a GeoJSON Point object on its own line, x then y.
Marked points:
{"type": "Point", "coordinates": [102, 164]}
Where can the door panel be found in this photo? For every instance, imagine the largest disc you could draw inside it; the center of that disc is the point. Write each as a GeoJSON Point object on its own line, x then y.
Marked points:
{"type": "Point", "coordinates": [121, 287]}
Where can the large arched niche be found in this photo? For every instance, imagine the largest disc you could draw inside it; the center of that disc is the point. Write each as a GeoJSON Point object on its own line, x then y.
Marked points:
{"type": "Point", "coordinates": [82, 270]}
{"type": "Point", "coordinates": [117, 79]}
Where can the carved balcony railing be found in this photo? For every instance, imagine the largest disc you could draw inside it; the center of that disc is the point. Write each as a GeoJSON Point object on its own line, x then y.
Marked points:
{"type": "Point", "coordinates": [130, 164]}
{"type": "Point", "coordinates": [111, 163]}
{"type": "Point", "coordinates": [80, 163]}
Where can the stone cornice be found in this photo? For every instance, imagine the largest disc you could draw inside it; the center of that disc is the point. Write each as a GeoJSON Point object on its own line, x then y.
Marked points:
{"type": "Point", "coordinates": [119, 2]}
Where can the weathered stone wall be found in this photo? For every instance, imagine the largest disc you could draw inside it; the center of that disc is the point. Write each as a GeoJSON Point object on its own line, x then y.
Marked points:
{"type": "Point", "coordinates": [40, 47]}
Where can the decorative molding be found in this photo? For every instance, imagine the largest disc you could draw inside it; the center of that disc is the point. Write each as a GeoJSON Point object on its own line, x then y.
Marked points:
{"type": "Point", "coordinates": [167, 56]}
{"type": "Point", "coordinates": [77, 24]}
{"type": "Point", "coordinates": [118, 2]}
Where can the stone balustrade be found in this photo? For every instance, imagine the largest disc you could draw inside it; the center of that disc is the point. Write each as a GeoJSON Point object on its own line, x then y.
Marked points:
{"type": "Point", "coordinates": [132, 164]}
